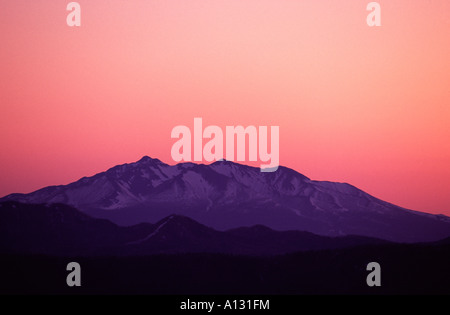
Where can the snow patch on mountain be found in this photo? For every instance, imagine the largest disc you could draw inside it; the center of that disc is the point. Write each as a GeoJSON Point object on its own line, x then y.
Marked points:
{"type": "Point", "coordinates": [156, 231]}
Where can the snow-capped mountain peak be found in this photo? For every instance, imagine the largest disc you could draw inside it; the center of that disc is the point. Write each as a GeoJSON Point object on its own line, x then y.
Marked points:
{"type": "Point", "coordinates": [227, 195]}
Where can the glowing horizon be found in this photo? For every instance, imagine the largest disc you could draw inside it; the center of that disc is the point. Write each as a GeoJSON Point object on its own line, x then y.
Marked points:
{"type": "Point", "coordinates": [366, 106]}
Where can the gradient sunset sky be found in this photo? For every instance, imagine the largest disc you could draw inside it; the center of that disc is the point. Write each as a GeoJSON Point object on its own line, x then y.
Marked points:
{"type": "Point", "coordinates": [365, 105]}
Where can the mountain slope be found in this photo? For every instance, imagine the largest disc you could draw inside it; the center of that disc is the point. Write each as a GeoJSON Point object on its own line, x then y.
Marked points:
{"type": "Point", "coordinates": [64, 231]}
{"type": "Point", "coordinates": [226, 195]}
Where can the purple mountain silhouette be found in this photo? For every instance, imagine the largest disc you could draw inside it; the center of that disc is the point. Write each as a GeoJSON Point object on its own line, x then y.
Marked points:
{"type": "Point", "coordinates": [62, 230]}
{"type": "Point", "coordinates": [226, 195]}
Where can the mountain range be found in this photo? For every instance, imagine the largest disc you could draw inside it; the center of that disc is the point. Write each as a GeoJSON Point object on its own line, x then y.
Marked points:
{"type": "Point", "coordinates": [225, 196]}
{"type": "Point", "coordinates": [61, 230]}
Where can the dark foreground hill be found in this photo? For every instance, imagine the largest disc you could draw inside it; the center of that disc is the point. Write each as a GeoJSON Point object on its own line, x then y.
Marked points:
{"type": "Point", "coordinates": [180, 256]}
{"type": "Point", "coordinates": [62, 230]}
{"type": "Point", "coordinates": [405, 269]}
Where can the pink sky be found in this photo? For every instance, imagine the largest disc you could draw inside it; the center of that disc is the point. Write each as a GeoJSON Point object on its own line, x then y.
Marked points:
{"type": "Point", "coordinates": [367, 106]}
